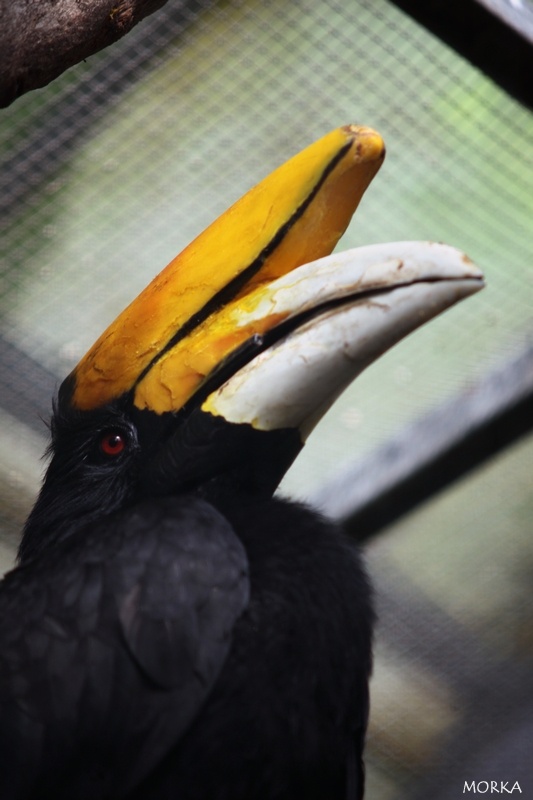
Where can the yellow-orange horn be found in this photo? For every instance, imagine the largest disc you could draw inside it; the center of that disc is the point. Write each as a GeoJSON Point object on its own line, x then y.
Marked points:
{"type": "Point", "coordinates": [295, 215]}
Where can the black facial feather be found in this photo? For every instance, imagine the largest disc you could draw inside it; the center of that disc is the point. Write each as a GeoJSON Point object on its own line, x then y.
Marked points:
{"type": "Point", "coordinates": [82, 482]}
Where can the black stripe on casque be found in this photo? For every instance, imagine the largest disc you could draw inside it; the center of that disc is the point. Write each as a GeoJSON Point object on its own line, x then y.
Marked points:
{"type": "Point", "coordinates": [258, 343]}
{"type": "Point", "coordinates": [228, 292]}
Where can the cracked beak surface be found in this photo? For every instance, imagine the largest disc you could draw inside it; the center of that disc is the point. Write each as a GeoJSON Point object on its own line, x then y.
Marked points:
{"type": "Point", "coordinates": [345, 311]}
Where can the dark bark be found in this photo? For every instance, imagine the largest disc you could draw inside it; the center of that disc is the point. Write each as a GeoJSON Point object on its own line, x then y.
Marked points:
{"type": "Point", "coordinates": [40, 39]}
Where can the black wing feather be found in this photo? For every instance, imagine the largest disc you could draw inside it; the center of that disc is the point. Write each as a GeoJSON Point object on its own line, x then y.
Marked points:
{"type": "Point", "coordinates": [109, 646]}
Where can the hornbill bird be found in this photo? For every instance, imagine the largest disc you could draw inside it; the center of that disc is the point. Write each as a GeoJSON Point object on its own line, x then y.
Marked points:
{"type": "Point", "coordinates": [173, 630]}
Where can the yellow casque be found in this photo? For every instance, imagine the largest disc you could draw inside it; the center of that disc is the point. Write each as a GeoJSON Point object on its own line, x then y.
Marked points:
{"type": "Point", "coordinates": [164, 344]}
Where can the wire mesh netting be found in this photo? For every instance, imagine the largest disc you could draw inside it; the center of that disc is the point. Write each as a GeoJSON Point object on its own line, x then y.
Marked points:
{"type": "Point", "coordinates": [116, 166]}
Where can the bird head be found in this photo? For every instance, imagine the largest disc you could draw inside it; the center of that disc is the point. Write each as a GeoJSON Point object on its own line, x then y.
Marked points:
{"type": "Point", "coordinates": [213, 377]}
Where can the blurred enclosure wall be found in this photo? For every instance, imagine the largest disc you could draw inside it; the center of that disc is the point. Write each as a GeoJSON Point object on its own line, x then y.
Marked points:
{"type": "Point", "coordinates": [108, 172]}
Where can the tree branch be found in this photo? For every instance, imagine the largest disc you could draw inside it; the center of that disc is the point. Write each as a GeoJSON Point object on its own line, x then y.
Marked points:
{"type": "Point", "coordinates": [40, 39]}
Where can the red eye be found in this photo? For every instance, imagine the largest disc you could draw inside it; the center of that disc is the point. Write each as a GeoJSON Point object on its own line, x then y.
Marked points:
{"type": "Point", "coordinates": [112, 443]}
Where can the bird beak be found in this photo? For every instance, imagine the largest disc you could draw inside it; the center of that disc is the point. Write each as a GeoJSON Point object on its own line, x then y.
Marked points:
{"type": "Point", "coordinates": [162, 349]}
{"type": "Point", "coordinates": [340, 314]}
{"type": "Point", "coordinates": [255, 323]}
